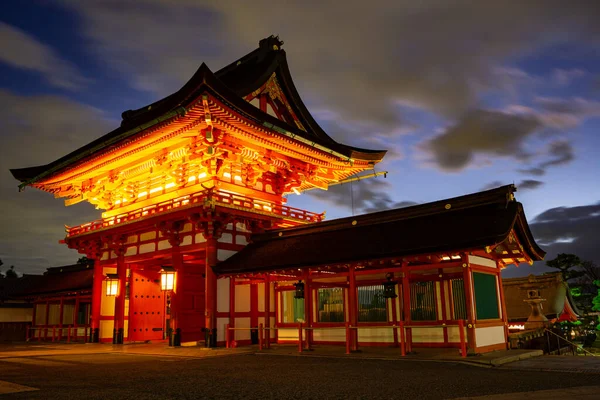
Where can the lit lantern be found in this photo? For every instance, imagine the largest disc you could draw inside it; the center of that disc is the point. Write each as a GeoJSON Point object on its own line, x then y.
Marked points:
{"type": "Point", "coordinates": [167, 278]}
{"type": "Point", "coordinates": [112, 284]}
{"type": "Point", "coordinates": [299, 290]}
{"type": "Point", "coordinates": [389, 287]}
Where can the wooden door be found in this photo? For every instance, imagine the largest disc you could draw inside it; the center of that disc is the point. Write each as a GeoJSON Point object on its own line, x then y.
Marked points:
{"type": "Point", "coordinates": [146, 306]}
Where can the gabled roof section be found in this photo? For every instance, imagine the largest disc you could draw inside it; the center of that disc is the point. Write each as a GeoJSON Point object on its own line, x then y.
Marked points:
{"type": "Point", "coordinates": [70, 278]}
{"type": "Point", "coordinates": [229, 84]}
{"type": "Point", "coordinates": [466, 222]}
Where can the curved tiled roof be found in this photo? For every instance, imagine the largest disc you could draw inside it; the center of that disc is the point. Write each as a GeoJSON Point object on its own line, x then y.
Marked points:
{"type": "Point", "coordinates": [472, 221]}
{"type": "Point", "coordinates": [229, 84]}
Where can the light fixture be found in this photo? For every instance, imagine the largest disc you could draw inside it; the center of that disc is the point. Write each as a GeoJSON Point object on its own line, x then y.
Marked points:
{"type": "Point", "coordinates": [389, 287]}
{"type": "Point", "coordinates": [112, 284]}
{"type": "Point", "coordinates": [167, 278]}
{"type": "Point", "coordinates": [299, 290]}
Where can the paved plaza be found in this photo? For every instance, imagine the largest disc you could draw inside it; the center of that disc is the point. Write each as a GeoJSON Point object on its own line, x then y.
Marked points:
{"type": "Point", "coordinates": [158, 372]}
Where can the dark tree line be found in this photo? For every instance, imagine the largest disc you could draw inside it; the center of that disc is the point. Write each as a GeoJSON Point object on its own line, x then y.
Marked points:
{"type": "Point", "coordinates": [583, 278]}
{"type": "Point", "coordinates": [9, 274]}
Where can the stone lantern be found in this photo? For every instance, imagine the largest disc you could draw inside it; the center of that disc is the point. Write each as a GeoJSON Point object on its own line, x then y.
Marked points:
{"type": "Point", "coordinates": [536, 319]}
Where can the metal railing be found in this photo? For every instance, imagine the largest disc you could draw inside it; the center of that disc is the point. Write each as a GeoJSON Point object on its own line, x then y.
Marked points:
{"type": "Point", "coordinates": [304, 343]}
{"type": "Point", "coordinates": [217, 197]}
{"type": "Point", "coordinates": [559, 338]}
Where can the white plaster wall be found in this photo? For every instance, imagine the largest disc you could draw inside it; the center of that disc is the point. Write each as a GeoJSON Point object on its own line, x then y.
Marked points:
{"type": "Point", "coordinates": [245, 333]}
{"type": "Point", "coordinates": [187, 240]}
{"type": "Point", "coordinates": [199, 238]}
{"type": "Point", "coordinates": [489, 335]}
{"type": "Point", "coordinates": [454, 334]}
{"type": "Point", "coordinates": [221, 322]}
{"type": "Point", "coordinates": [328, 335]}
{"type": "Point", "coordinates": [106, 329]}
{"type": "Point", "coordinates": [375, 334]}
{"type": "Point", "coordinates": [226, 238]}
{"type": "Point", "coordinates": [164, 244]}
{"type": "Point", "coordinates": [242, 298]}
{"type": "Point", "coordinates": [223, 255]}
{"type": "Point", "coordinates": [288, 334]}
{"type": "Point", "coordinates": [16, 314]}
{"type": "Point", "coordinates": [223, 295]}
{"type": "Point", "coordinates": [261, 297]}
{"type": "Point", "coordinates": [428, 335]}
{"type": "Point", "coordinates": [482, 261]}
{"type": "Point", "coordinates": [147, 248]}
{"type": "Point", "coordinates": [148, 236]}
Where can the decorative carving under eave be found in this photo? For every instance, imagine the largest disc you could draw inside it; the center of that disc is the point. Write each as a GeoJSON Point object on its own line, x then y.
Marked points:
{"type": "Point", "coordinates": [116, 243]}
{"type": "Point", "coordinates": [212, 224]}
{"type": "Point", "coordinates": [172, 231]}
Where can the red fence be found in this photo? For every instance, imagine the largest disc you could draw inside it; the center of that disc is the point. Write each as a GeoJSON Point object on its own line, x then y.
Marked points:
{"type": "Point", "coordinates": [217, 197]}
{"type": "Point", "coordinates": [57, 333]}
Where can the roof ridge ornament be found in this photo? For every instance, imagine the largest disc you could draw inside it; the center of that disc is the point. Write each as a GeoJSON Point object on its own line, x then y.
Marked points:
{"type": "Point", "coordinates": [271, 43]}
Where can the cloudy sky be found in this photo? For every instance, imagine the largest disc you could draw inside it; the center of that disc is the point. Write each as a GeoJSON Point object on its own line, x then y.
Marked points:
{"type": "Point", "coordinates": [465, 95]}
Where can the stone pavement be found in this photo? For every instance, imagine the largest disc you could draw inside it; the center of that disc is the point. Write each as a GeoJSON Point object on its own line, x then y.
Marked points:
{"type": "Point", "coordinates": [155, 349]}
{"type": "Point", "coordinates": [492, 359]}
{"type": "Point", "coordinates": [578, 364]}
{"type": "Point", "coordinates": [579, 393]}
{"type": "Point", "coordinates": [507, 359]}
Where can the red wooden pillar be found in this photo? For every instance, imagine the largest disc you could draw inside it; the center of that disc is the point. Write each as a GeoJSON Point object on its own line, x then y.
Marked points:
{"type": "Point", "coordinates": [469, 301]}
{"type": "Point", "coordinates": [96, 301]}
{"type": "Point", "coordinates": [443, 302]}
{"type": "Point", "coordinates": [352, 309]}
{"type": "Point", "coordinates": [75, 314]}
{"type": "Point", "coordinates": [267, 306]}
{"type": "Point", "coordinates": [47, 319]}
{"type": "Point", "coordinates": [276, 299]}
{"type": "Point", "coordinates": [308, 306]}
{"type": "Point", "coordinates": [231, 334]}
{"type": "Point", "coordinates": [406, 307]}
{"type": "Point", "coordinates": [394, 321]}
{"type": "Point", "coordinates": [211, 290]}
{"type": "Point", "coordinates": [503, 305]}
{"type": "Point", "coordinates": [176, 294]}
{"type": "Point", "coordinates": [119, 327]}
{"type": "Point", "coordinates": [33, 322]}
{"type": "Point", "coordinates": [60, 317]}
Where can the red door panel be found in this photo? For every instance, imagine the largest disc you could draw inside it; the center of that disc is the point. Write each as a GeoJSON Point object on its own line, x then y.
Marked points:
{"type": "Point", "coordinates": [146, 306]}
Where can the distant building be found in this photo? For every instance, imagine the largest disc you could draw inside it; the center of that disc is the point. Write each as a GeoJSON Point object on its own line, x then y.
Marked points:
{"type": "Point", "coordinates": [558, 305]}
{"type": "Point", "coordinates": [53, 306]}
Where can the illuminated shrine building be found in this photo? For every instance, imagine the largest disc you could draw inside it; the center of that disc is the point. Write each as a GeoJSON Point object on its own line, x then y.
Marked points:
{"type": "Point", "coordinates": [195, 233]}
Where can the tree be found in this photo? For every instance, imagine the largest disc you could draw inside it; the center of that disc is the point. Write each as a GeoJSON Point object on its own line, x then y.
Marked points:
{"type": "Point", "coordinates": [568, 264]}
{"type": "Point", "coordinates": [596, 302]}
{"type": "Point", "coordinates": [1, 264]}
{"type": "Point", "coordinates": [10, 273]}
{"type": "Point", "coordinates": [83, 260]}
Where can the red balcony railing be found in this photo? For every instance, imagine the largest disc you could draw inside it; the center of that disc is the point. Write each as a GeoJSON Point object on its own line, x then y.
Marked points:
{"type": "Point", "coordinates": [217, 197]}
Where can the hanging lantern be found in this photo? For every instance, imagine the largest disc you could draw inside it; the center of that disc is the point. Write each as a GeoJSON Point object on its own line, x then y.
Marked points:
{"type": "Point", "coordinates": [112, 284]}
{"type": "Point", "coordinates": [299, 290]}
{"type": "Point", "coordinates": [167, 278]}
{"type": "Point", "coordinates": [389, 287]}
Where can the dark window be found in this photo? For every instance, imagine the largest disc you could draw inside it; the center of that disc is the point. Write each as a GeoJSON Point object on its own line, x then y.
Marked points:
{"type": "Point", "coordinates": [331, 305]}
{"type": "Point", "coordinates": [458, 299]}
{"type": "Point", "coordinates": [293, 309]}
{"type": "Point", "coordinates": [371, 304]}
{"type": "Point", "coordinates": [423, 306]}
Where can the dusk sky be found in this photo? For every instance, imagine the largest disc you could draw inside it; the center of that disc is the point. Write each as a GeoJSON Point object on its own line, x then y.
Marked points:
{"type": "Point", "coordinates": [465, 95]}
